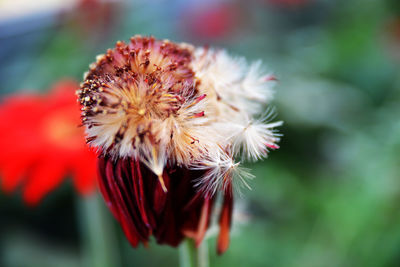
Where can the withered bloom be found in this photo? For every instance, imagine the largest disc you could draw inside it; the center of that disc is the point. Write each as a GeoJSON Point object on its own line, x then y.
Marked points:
{"type": "Point", "coordinates": [168, 120]}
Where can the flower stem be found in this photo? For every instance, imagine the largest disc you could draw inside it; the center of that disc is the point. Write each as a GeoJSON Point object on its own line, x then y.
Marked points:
{"type": "Point", "coordinates": [100, 247]}
{"type": "Point", "coordinates": [202, 255]}
{"type": "Point", "coordinates": [187, 251]}
{"type": "Point", "coordinates": [190, 256]}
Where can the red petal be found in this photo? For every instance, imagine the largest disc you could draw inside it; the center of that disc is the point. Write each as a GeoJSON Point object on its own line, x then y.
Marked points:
{"type": "Point", "coordinates": [106, 175]}
{"type": "Point", "coordinates": [12, 175]}
{"type": "Point", "coordinates": [160, 197]}
{"type": "Point", "coordinates": [139, 193]}
{"type": "Point", "coordinates": [85, 173]}
{"type": "Point", "coordinates": [124, 217]}
{"type": "Point", "coordinates": [225, 222]}
{"type": "Point", "coordinates": [124, 181]}
{"type": "Point", "coordinates": [44, 178]}
{"type": "Point", "coordinates": [167, 230]}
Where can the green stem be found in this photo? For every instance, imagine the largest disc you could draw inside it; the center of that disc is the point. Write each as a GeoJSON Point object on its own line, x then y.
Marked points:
{"type": "Point", "coordinates": [100, 247]}
{"type": "Point", "coordinates": [202, 255]}
{"type": "Point", "coordinates": [187, 251]}
{"type": "Point", "coordinates": [190, 256]}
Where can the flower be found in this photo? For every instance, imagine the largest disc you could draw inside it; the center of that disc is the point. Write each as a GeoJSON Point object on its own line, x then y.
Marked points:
{"type": "Point", "coordinates": [93, 20]}
{"type": "Point", "coordinates": [211, 21]}
{"type": "Point", "coordinates": [41, 143]}
{"type": "Point", "coordinates": [168, 120]}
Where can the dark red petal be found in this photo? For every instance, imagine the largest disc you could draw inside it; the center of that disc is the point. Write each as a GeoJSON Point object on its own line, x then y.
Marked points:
{"type": "Point", "coordinates": [128, 197]}
{"type": "Point", "coordinates": [198, 212]}
{"type": "Point", "coordinates": [225, 222]}
{"type": "Point", "coordinates": [138, 201]}
{"type": "Point", "coordinates": [168, 227]}
{"type": "Point", "coordinates": [115, 202]}
{"type": "Point", "coordinates": [160, 197]}
{"type": "Point", "coordinates": [140, 195]}
{"type": "Point", "coordinates": [104, 189]}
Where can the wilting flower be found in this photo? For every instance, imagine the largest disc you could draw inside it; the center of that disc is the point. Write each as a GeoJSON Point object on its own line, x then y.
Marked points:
{"type": "Point", "coordinates": [41, 143]}
{"type": "Point", "coordinates": [168, 120]}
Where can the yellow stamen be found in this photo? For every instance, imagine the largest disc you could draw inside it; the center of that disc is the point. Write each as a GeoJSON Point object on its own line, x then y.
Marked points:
{"type": "Point", "coordinates": [190, 105]}
{"type": "Point", "coordinates": [160, 178]}
{"type": "Point", "coordinates": [164, 188]}
{"type": "Point", "coordinates": [168, 95]}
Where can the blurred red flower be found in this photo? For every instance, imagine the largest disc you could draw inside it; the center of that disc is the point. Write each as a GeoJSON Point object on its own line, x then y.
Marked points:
{"type": "Point", "coordinates": [211, 21]}
{"type": "Point", "coordinates": [42, 143]}
{"type": "Point", "coordinates": [94, 19]}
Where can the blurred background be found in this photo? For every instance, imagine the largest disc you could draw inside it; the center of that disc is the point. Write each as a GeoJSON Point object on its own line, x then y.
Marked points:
{"type": "Point", "coordinates": [330, 196]}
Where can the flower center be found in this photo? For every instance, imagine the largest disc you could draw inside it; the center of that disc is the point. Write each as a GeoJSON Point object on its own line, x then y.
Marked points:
{"type": "Point", "coordinates": [61, 129]}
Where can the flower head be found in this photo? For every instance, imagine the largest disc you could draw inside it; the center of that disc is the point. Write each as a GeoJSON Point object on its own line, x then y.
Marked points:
{"type": "Point", "coordinates": [41, 143]}
{"type": "Point", "coordinates": [169, 116]}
